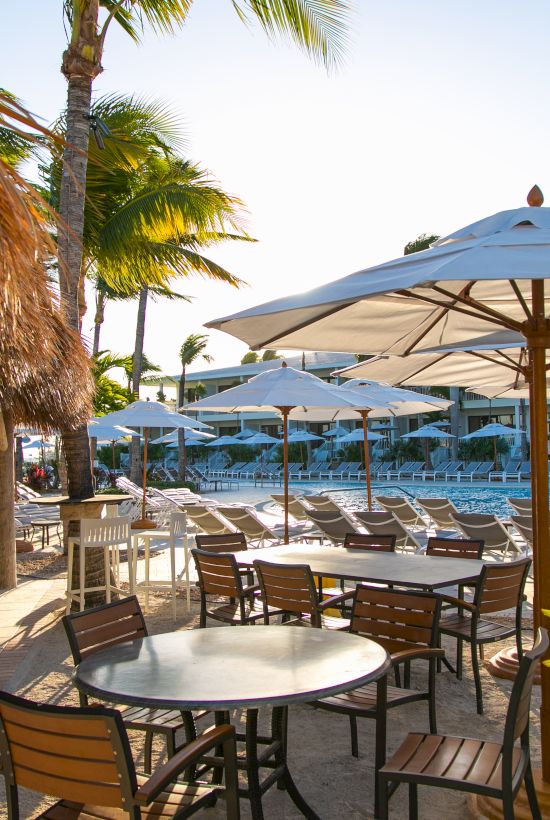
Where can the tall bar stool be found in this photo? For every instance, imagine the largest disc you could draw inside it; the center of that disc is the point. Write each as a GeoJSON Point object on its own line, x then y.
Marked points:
{"type": "Point", "coordinates": [106, 534]}
{"type": "Point", "coordinates": [177, 531]}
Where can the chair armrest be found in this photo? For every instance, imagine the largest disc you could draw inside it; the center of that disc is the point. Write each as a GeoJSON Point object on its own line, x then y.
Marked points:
{"type": "Point", "coordinates": [423, 652]}
{"type": "Point", "coordinates": [249, 590]}
{"type": "Point", "coordinates": [336, 599]}
{"type": "Point", "coordinates": [449, 599]}
{"type": "Point", "coordinates": [181, 760]}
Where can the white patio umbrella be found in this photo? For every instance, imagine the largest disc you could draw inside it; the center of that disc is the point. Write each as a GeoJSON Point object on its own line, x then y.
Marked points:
{"type": "Point", "coordinates": [299, 436]}
{"type": "Point", "coordinates": [286, 391]}
{"type": "Point", "coordinates": [357, 435]}
{"type": "Point", "coordinates": [147, 414]}
{"type": "Point", "coordinates": [494, 431]}
{"type": "Point", "coordinates": [190, 436]}
{"type": "Point", "coordinates": [487, 276]}
{"type": "Point", "coordinates": [426, 433]}
{"type": "Point", "coordinates": [99, 430]}
{"type": "Point", "coordinates": [224, 441]}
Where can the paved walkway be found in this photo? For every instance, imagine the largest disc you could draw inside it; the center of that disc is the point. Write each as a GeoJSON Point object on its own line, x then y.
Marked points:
{"type": "Point", "coordinates": [25, 613]}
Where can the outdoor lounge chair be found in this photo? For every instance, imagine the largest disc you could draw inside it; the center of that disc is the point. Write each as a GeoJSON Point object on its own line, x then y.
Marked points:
{"type": "Point", "coordinates": [385, 470]}
{"type": "Point", "coordinates": [406, 624]}
{"type": "Point", "coordinates": [407, 471]}
{"type": "Point", "coordinates": [509, 470]}
{"type": "Point", "coordinates": [523, 506]}
{"type": "Point", "coordinates": [482, 473]}
{"type": "Point", "coordinates": [319, 502]}
{"type": "Point", "coordinates": [402, 509]}
{"type": "Point", "coordinates": [440, 510]}
{"type": "Point", "coordinates": [207, 520]}
{"type": "Point", "coordinates": [406, 466]}
{"type": "Point", "coordinates": [105, 626]}
{"type": "Point", "coordinates": [452, 471]}
{"type": "Point", "coordinates": [233, 472]}
{"type": "Point", "coordinates": [489, 528]}
{"type": "Point", "coordinates": [524, 525]}
{"type": "Point", "coordinates": [441, 468]}
{"type": "Point", "coordinates": [524, 471]}
{"type": "Point", "coordinates": [314, 471]}
{"type": "Point", "coordinates": [246, 520]}
{"type": "Point", "coordinates": [82, 757]}
{"type": "Point", "coordinates": [500, 587]}
{"type": "Point", "coordinates": [386, 523]}
{"type": "Point", "coordinates": [295, 471]}
{"type": "Point", "coordinates": [333, 524]}
{"type": "Point", "coordinates": [466, 473]}
{"type": "Point", "coordinates": [465, 764]}
{"type": "Point", "coordinates": [295, 508]}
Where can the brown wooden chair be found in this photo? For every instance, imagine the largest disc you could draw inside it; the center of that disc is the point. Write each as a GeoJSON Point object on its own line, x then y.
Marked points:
{"type": "Point", "coordinates": [290, 588]}
{"type": "Point", "coordinates": [455, 548]}
{"type": "Point", "coordinates": [229, 542]}
{"type": "Point", "coordinates": [374, 543]}
{"type": "Point", "coordinates": [82, 756]}
{"type": "Point", "coordinates": [472, 765]}
{"type": "Point", "coordinates": [104, 626]}
{"type": "Point", "coordinates": [500, 587]}
{"type": "Point", "coordinates": [405, 623]}
{"type": "Point", "coordinates": [220, 576]}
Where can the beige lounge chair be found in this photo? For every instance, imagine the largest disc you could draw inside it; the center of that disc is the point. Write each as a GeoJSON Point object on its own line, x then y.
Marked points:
{"type": "Point", "coordinates": [319, 502]}
{"type": "Point", "coordinates": [335, 525]}
{"type": "Point", "coordinates": [246, 520]}
{"type": "Point", "coordinates": [489, 528]}
{"type": "Point", "coordinates": [524, 525]}
{"type": "Point", "coordinates": [207, 520]}
{"type": "Point", "coordinates": [522, 506]}
{"type": "Point", "coordinates": [440, 510]}
{"type": "Point", "coordinates": [295, 509]}
{"type": "Point", "coordinates": [386, 523]}
{"type": "Point", "coordinates": [402, 509]}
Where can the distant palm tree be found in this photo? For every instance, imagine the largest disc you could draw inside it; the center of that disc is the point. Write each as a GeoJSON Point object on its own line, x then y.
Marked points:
{"type": "Point", "coordinates": [317, 26]}
{"type": "Point", "coordinates": [192, 349]}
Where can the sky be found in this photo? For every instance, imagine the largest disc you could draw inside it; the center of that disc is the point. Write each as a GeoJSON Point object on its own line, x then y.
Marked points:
{"type": "Point", "coordinates": [438, 116]}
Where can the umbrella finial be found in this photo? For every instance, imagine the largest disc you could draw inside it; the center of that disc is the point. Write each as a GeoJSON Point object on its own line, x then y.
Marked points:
{"type": "Point", "coordinates": [535, 197]}
{"type": "Point", "coordinates": [284, 364]}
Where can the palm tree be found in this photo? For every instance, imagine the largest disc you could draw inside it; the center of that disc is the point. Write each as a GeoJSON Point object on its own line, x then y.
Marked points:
{"type": "Point", "coordinates": [317, 26]}
{"type": "Point", "coordinates": [192, 349]}
{"type": "Point", "coordinates": [109, 394]}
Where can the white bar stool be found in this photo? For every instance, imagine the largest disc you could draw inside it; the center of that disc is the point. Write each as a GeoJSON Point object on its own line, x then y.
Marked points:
{"type": "Point", "coordinates": [100, 533]}
{"type": "Point", "coordinates": [177, 531]}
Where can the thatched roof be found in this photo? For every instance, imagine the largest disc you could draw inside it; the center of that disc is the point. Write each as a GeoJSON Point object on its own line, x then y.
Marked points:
{"type": "Point", "coordinates": [45, 376]}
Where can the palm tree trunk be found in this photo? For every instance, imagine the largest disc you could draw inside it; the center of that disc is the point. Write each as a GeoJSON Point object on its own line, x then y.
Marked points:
{"type": "Point", "coordinates": [182, 450]}
{"type": "Point", "coordinates": [18, 458]}
{"type": "Point", "coordinates": [135, 460]}
{"type": "Point", "coordinates": [98, 319]}
{"type": "Point", "coordinates": [8, 566]}
{"type": "Point", "coordinates": [81, 65]}
{"type": "Point", "coordinates": [138, 346]}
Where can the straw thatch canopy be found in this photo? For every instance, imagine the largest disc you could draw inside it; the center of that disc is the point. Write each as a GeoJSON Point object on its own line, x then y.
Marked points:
{"type": "Point", "coordinates": [45, 377]}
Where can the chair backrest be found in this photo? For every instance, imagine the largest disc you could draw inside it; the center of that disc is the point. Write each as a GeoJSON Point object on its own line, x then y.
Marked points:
{"type": "Point", "coordinates": [294, 507]}
{"type": "Point", "coordinates": [335, 525]}
{"type": "Point", "coordinates": [396, 619]}
{"type": "Point", "coordinates": [524, 525]}
{"type": "Point", "coordinates": [374, 543]}
{"type": "Point", "coordinates": [206, 519]}
{"type": "Point", "coordinates": [385, 523]}
{"type": "Point", "coordinates": [290, 587]}
{"type": "Point", "coordinates": [321, 502]}
{"type": "Point", "coordinates": [523, 506]}
{"type": "Point", "coordinates": [400, 507]}
{"type": "Point", "coordinates": [229, 542]}
{"type": "Point", "coordinates": [501, 586]}
{"type": "Point", "coordinates": [517, 717]}
{"type": "Point", "coordinates": [455, 548]}
{"type": "Point", "coordinates": [440, 510]}
{"type": "Point", "coordinates": [81, 755]}
{"type": "Point", "coordinates": [486, 526]}
{"type": "Point", "coordinates": [218, 573]}
{"type": "Point", "coordinates": [104, 531]}
{"type": "Point", "coordinates": [104, 626]}
{"type": "Point", "coordinates": [247, 521]}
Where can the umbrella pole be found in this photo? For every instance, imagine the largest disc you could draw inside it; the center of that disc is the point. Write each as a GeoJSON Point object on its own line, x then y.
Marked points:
{"type": "Point", "coordinates": [144, 523]}
{"type": "Point", "coordinates": [114, 454]}
{"type": "Point", "coordinates": [364, 414]}
{"type": "Point", "coordinates": [284, 412]}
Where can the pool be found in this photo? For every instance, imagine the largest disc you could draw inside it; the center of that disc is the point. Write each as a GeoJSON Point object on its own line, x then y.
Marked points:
{"type": "Point", "coordinates": [469, 498]}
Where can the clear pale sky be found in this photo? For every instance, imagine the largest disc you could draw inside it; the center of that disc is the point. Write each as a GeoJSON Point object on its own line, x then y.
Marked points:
{"type": "Point", "coordinates": [439, 116]}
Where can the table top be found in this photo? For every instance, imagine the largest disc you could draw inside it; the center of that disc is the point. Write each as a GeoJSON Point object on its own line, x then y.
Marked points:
{"type": "Point", "coordinates": [96, 499]}
{"type": "Point", "coordinates": [229, 667]}
{"type": "Point", "coordinates": [419, 571]}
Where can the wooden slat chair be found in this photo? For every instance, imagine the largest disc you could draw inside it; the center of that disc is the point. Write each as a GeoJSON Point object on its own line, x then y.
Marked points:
{"type": "Point", "coordinates": [82, 756]}
{"type": "Point", "coordinates": [500, 587]}
{"type": "Point", "coordinates": [290, 589]}
{"type": "Point", "coordinates": [471, 765]}
{"type": "Point", "coordinates": [206, 519]}
{"type": "Point", "coordinates": [361, 541]}
{"type": "Point", "coordinates": [402, 509]}
{"type": "Point", "coordinates": [440, 511]}
{"type": "Point", "coordinates": [219, 576]}
{"type": "Point", "coordinates": [455, 548]}
{"type": "Point", "coordinates": [406, 624]}
{"type": "Point", "coordinates": [385, 523]}
{"type": "Point", "coordinates": [105, 626]}
{"type": "Point", "coordinates": [232, 542]}
{"type": "Point", "coordinates": [489, 528]}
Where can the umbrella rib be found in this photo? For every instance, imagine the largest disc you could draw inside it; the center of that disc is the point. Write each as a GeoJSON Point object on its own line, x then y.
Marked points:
{"type": "Point", "coordinates": [301, 325]}
{"type": "Point", "coordinates": [470, 302]}
{"type": "Point", "coordinates": [521, 299]}
{"type": "Point", "coordinates": [510, 363]}
{"type": "Point", "coordinates": [498, 319]}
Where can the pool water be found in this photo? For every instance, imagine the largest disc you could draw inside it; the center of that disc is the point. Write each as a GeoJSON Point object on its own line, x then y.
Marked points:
{"type": "Point", "coordinates": [469, 498]}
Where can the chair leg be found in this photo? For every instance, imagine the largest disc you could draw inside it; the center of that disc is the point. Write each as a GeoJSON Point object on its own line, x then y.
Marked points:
{"type": "Point", "coordinates": [459, 648]}
{"type": "Point", "coordinates": [70, 556]}
{"type": "Point", "coordinates": [431, 698]}
{"type": "Point", "coordinates": [354, 736]}
{"type": "Point", "coordinates": [148, 751]}
{"type": "Point", "coordinates": [82, 575]}
{"type": "Point", "coordinates": [531, 793]}
{"type": "Point", "coordinates": [413, 801]}
{"type": "Point", "coordinates": [477, 679]}
{"type": "Point", "coordinates": [382, 798]}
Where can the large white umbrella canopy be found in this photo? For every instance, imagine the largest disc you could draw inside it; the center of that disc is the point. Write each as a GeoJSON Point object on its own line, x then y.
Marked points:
{"type": "Point", "coordinates": [190, 435]}
{"type": "Point", "coordinates": [224, 441]}
{"type": "Point", "coordinates": [485, 277]}
{"type": "Point", "coordinates": [428, 431]}
{"type": "Point", "coordinates": [299, 436]}
{"type": "Point", "coordinates": [260, 438]}
{"type": "Point", "coordinates": [286, 391]}
{"type": "Point", "coordinates": [494, 429]}
{"type": "Point", "coordinates": [102, 431]}
{"type": "Point", "coordinates": [357, 435]}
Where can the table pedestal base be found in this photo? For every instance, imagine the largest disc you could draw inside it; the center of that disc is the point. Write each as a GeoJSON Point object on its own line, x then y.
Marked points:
{"type": "Point", "coordinates": [505, 664]}
{"type": "Point", "coordinates": [273, 757]}
{"type": "Point", "coordinates": [490, 809]}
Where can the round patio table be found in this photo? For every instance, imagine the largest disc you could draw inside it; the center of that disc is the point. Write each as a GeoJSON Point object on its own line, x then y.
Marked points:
{"type": "Point", "coordinates": [238, 667]}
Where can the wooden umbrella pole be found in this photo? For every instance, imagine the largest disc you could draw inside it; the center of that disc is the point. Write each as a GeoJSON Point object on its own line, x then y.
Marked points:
{"type": "Point", "coordinates": [144, 480]}
{"type": "Point", "coordinates": [284, 411]}
{"type": "Point", "coordinates": [364, 414]}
